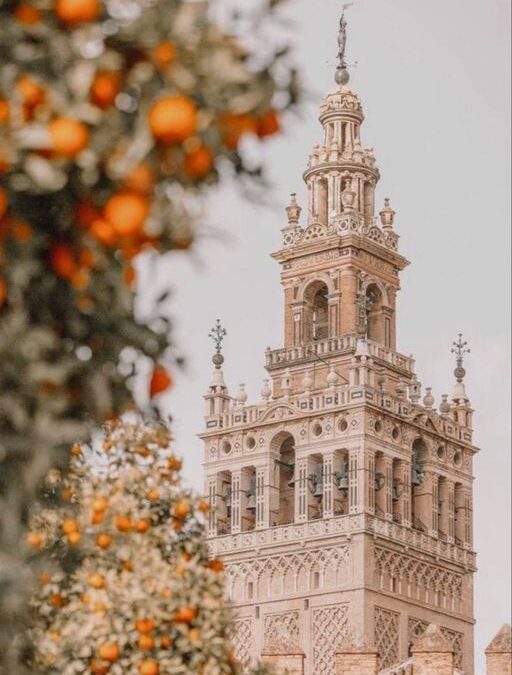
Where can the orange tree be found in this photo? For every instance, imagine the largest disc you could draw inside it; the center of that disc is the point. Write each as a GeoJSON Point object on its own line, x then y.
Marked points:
{"type": "Point", "coordinates": [125, 582]}
{"type": "Point", "coordinates": [115, 117]}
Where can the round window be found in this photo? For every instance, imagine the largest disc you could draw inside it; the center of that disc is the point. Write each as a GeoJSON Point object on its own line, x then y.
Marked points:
{"type": "Point", "coordinates": [378, 426]}
{"type": "Point", "coordinates": [457, 458]}
{"type": "Point", "coordinates": [226, 447]}
{"type": "Point", "coordinates": [317, 429]}
{"type": "Point", "coordinates": [250, 443]}
{"type": "Point", "coordinates": [343, 424]}
{"type": "Point", "coordinates": [395, 433]}
{"type": "Point", "coordinates": [441, 453]}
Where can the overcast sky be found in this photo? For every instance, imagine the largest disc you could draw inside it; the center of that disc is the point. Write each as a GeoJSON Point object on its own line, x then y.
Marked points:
{"type": "Point", "coordinates": [433, 78]}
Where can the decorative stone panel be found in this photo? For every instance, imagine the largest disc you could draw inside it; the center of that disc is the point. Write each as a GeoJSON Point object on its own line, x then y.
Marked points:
{"type": "Point", "coordinates": [283, 624]}
{"type": "Point", "coordinates": [387, 636]}
{"type": "Point", "coordinates": [240, 635]}
{"type": "Point", "coordinates": [330, 627]}
{"type": "Point", "coordinates": [456, 639]}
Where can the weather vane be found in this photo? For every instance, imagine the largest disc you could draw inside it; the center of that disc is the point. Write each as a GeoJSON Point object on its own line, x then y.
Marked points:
{"type": "Point", "coordinates": [217, 334]}
{"type": "Point", "coordinates": [342, 76]}
{"type": "Point", "coordinates": [460, 348]}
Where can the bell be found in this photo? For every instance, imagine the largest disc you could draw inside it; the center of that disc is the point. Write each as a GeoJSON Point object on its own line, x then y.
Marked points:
{"type": "Point", "coordinates": [394, 492]}
{"type": "Point", "coordinates": [291, 482]}
{"type": "Point", "coordinates": [318, 482]}
{"type": "Point", "coordinates": [251, 503]}
{"type": "Point", "coordinates": [319, 491]}
{"type": "Point", "coordinates": [342, 482]}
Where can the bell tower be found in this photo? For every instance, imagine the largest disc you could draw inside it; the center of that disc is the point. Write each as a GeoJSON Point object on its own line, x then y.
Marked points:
{"type": "Point", "coordinates": [341, 502]}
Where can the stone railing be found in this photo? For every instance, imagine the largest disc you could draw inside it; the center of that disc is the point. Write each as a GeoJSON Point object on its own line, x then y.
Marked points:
{"type": "Point", "coordinates": [343, 524]}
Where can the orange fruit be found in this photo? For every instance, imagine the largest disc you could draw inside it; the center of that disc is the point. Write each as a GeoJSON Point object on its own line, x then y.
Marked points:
{"type": "Point", "coordinates": [144, 626]}
{"type": "Point", "coordinates": [173, 119]}
{"type": "Point", "coordinates": [185, 615]}
{"type": "Point", "coordinates": [153, 495]}
{"type": "Point", "coordinates": [62, 261]}
{"type": "Point", "coordinates": [77, 11]}
{"type": "Point", "coordinates": [198, 162]}
{"type": "Point", "coordinates": [182, 509]}
{"type": "Point", "coordinates": [97, 517]}
{"type": "Point", "coordinates": [149, 667]}
{"type": "Point", "coordinates": [268, 124]}
{"type": "Point", "coordinates": [104, 232]}
{"type": "Point", "coordinates": [30, 91]}
{"type": "Point", "coordinates": [69, 136]}
{"type": "Point", "coordinates": [96, 581]}
{"type": "Point", "coordinates": [56, 600]}
{"type": "Point", "coordinates": [216, 565]}
{"type": "Point", "coordinates": [35, 539]}
{"type": "Point", "coordinates": [80, 279]}
{"type": "Point", "coordinates": [145, 642]}
{"type": "Point", "coordinates": [174, 463]}
{"type": "Point", "coordinates": [4, 111]}
{"type": "Point", "coordinates": [27, 14]}
{"type": "Point", "coordinates": [234, 126]}
{"type": "Point", "coordinates": [86, 214]}
{"type": "Point", "coordinates": [73, 538]}
{"type": "Point", "coordinates": [67, 495]}
{"type": "Point", "coordinates": [44, 578]}
{"type": "Point", "coordinates": [104, 540]}
{"type": "Point", "coordinates": [126, 212]}
{"type": "Point", "coordinates": [98, 668]}
{"type": "Point", "coordinates": [105, 88]}
{"type": "Point", "coordinates": [69, 525]}
{"type": "Point", "coordinates": [21, 231]}
{"type": "Point", "coordinates": [109, 651]}
{"type": "Point", "coordinates": [127, 565]}
{"type": "Point", "coordinates": [165, 641]}
{"type": "Point", "coordinates": [3, 202]}
{"type": "Point", "coordinates": [124, 524]}
{"type": "Point", "coordinates": [203, 507]}
{"type": "Point", "coordinates": [86, 258]}
{"type": "Point", "coordinates": [164, 54]}
{"type": "Point", "coordinates": [140, 179]}
{"type": "Point", "coordinates": [3, 291]}
{"type": "Point", "coordinates": [143, 525]}
{"type": "Point", "coordinates": [100, 504]}
{"type": "Point", "coordinates": [160, 381]}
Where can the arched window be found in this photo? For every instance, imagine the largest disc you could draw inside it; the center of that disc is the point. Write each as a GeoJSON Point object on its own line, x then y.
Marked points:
{"type": "Point", "coordinates": [283, 507]}
{"type": "Point", "coordinates": [375, 319]}
{"type": "Point", "coordinates": [316, 312]}
{"type": "Point", "coordinates": [420, 498]}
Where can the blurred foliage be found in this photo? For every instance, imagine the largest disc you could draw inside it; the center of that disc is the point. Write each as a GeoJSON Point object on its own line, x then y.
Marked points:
{"type": "Point", "coordinates": [125, 582]}
{"type": "Point", "coordinates": [115, 118]}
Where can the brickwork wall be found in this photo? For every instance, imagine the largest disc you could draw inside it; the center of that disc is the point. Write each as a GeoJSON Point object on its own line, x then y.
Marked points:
{"type": "Point", "coordinates": [362, 664]}
{"type": "Point", "coordinates": [499, 664]}
{"type": "Point", "coordinates": [285, 664]}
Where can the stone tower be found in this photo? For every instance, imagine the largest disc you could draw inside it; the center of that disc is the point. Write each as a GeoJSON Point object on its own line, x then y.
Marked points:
{"type": "Point", "coordinates": [341, 503]}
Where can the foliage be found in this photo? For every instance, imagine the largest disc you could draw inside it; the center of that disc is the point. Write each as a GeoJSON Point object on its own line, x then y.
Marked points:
{"type": "Point", "coordinates": [115, 117]}
{"type": "Point", "coordinates": [126, 585]}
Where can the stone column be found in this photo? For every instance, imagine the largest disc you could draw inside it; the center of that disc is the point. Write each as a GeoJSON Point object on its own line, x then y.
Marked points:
{"type": "Point", "coordinates": [432, 654]}
{"type": "Point", "coordinates": [262, 499]}
{"type": "Point", "coordinates": [328, 502]}
{"type": "Point", "coordinates": [499, 653]}
{"type": "Point", "coordinates": [214, 487]}
{"type": "Point", "coordinates": [236, 511]}
{"type": "Point", "coordinates": [349, 308]}
{"type": "Point", "coordinates": [355, 481]}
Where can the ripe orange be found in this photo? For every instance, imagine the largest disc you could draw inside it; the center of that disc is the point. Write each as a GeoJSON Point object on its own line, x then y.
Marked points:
{"type": "Point", "coordinates": [234, 126]}
{"type": "Point", "coordinates": [126, 212]}
{"type": "Point", "coordinates": [86, 214]}
{"type": "Point", "coordinates": [30, 91]}
{"type": "Point", "coordinates": [174, 463]}
{"type": "Point", "coordinates": [69, 136]}
{"type": "Point", "coordinates": [203, 507]}
{"type": "Point", "coordinates": [105, 88]}
{"type": "Point", "coordinates": [109, 651]}
{"type": "Point", "coordinates": [216, 565]}
{"type": "Point", "coordinates": [97, 668]}
{"type": "Point", "coordinates": [153, 495]}
{"type": "Point", "coordinates": [164, 54]}
{"type": "Point", "coordinates": [3, 291]}
{"type": "Point", "coordinates": [3, 202]}
{"type": "Point", "coordinates": [86, 258]}
{"type": "Point", "coordinates": [145, 642]}
{"type": "Point", "coordinates": [173, 119]}
{"type": "Point", "coordinates": [80, 279]}
{"type": "Point", "coordinates": [27, 14]}
{"type": "Point", "coordinates": [124, 524]}
{"type": "Point", "coordinates": [140, 179]}
{"type": "Point", "coordinates": [77, 11]}
{"type": "Point", "coordinates": [143, 525]}
{"type": "Point", "coordinates": [100, 504]}
{"type": "Point", "coordinates": [62, 261]}
{"type": "Point", "coordinates": [165, 641]}
{"type": "Point", "coordinates": [73, 538]}
{"type": "Point", "coordinates": [182, 509]}
{"type": "Point", "coordinates": [160, 381]}
{"type": "Point", "coordinates": [104, 540]}
{"type": "Point", "coordinates": [35, 539]}
{"type": "Point", "coordinates": [198, 162]}
{"type": "Point", "coordinates": [97, 517]}
{"type": "Point", "coordinates": [268, 124]}
{"type": "Point", "coordinates": [56, 600]}
{"type": "Point", "coordinates": [4, 111]}
{"type": "Point", "coordinates": [149, 667]}
{"type": "Point", "coordinates": [104, 232]}
{"type": "Point", "coordinates": [96, 581]}
{"type": "Point", "coordinates": [69, 525]}
{"type": "Point", "coordinates": [185, 615]}
{"type": "Point", "coordinates": [21, 231]}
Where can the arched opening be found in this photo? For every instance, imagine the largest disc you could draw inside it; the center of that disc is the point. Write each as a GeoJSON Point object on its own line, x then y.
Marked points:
{"type": "Point", "coordinates": [323, 201]}
{"type": "Point", "coordinates": [443, 508]}
{"type": "Point", "coordinates": [248, 499]}
{"type": "Point", "coordinates": [374, 317]}
{"type": "Point", "coordinates": [341, 483]}
{"type": "Point", "coordinates": [397, 491]}
{"type": "Point", "coordinates": [316, 312]}
{"type": "Point", "coordinates": [283, 501]}
{"type": "Point", "coordinates": [224, 504]}
{"type": "Point", "coordinates": [381, 486]}
{"type": "Point", "coordinates": [421, 498]}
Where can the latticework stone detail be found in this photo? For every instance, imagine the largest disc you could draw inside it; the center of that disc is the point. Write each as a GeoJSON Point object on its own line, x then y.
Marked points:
{"type": "Point", "coordinates": [285, 624]}
{"type": "Point", "coordinates": [240, 635]}
{"type": "Point", "coordinates": [456, 639]}
{"type": "Point", "coordinates": [275, 576]}
{"type": "Point", "coordinates": [415, 629]}
{"type": "Point", "coordinates": [431, 579]}
{"type": "Point", "coordinates": [387, 636]}
{"type": "Point", "coordinates": [330, 626]}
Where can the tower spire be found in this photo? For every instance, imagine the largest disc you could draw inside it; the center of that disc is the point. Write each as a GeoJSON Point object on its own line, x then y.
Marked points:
{"type": "Point", "coordinates": [342, 76]}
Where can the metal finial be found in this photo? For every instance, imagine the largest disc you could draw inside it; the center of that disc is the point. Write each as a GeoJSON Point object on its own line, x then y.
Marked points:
{"type": "Point", "coordinates": [217, 334]}
{"type": "Point", "coordinates": [341, 76]}
{"type": "Point", "coordinates": [460, 348]}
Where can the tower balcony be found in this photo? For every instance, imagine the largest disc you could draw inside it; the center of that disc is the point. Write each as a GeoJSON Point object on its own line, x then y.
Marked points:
{"type": "Point", "coordinates": [337, 346]}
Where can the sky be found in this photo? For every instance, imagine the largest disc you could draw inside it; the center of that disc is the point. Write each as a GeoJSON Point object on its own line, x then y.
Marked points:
{"type": "Point", "coordinates": [433, 78]}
